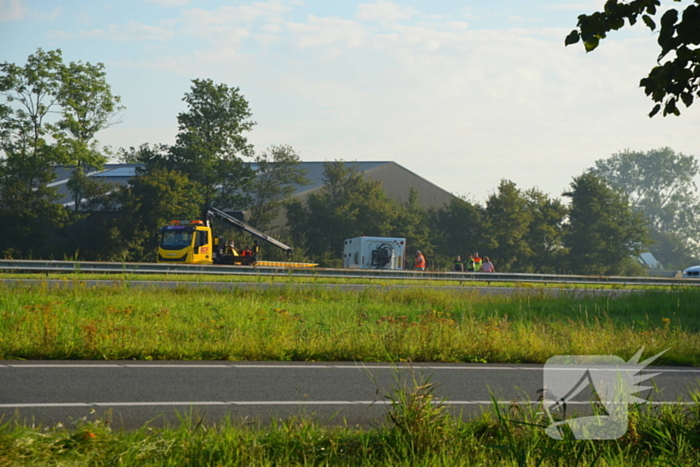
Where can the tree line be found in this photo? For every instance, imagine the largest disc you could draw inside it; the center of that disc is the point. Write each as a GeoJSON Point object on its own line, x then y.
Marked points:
{"type": "Point", "coordinates": [52, 112]}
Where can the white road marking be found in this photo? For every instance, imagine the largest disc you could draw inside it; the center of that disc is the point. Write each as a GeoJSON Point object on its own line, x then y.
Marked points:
{"type": "Point", "coordinates": [368, 366]}
{"type": "Point", "coordinates": [281, 403]}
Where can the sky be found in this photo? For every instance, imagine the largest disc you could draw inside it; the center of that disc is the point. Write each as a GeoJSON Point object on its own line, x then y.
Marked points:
{"type": "Point", "coordinates": [463, 93]}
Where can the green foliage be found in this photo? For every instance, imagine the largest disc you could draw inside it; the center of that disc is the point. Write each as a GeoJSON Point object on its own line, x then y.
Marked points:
{"type": "Point", "coordinates": [87, 102]}
{"type": "Point", "coordinates": [673, 79]}
{"type": "Point", "coordinates": [508, 221]}
{"type": "Point", "coordinates": [210, 143]}
{"type": "Point", "coordinates": [672, 250]}
{"type": "Point", "coordinates": [412, 222]}
{"type": "Point", "coordinates": [603, 230]}
{"type": "Point", "coordinates": [152, 156]}
{"type": "Point", "coordinates": [33, 140]}
{"type": "Point", "coordinates": [419, 419]}
{"type": "Point", "coordinates": [277, 176]}
{"type": "Point", "coordinates": [459, 228]}
{"type": "Point", "coordinates": [660, 184]}
{"type": "Point", "coordinates": [27, 203]}
{"type": "Point", "coordinates": [87, 106]}
{"type": "Point", "coordinates": [152, 199]}
{"type": "Point", "coordinates": [545, 232]}
{"type": "Point", "coordinates": [346, 206]}
{"type": "Point", "coordinates": [520, 231]}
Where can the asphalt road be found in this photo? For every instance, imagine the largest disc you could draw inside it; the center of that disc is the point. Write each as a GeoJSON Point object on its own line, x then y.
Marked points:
{"type": "Point", "coordinates": [133, 393]}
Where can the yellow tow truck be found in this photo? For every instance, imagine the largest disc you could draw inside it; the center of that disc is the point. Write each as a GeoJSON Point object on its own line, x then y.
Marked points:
{"type": "Point", "coordinates": [193, 242]}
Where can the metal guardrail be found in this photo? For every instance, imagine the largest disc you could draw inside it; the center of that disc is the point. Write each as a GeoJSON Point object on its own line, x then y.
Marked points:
{"type": "Point", "coordinates": [72, 267]}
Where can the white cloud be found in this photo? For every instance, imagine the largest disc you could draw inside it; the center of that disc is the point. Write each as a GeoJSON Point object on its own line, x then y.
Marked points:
{"type": "Point", "coordinates": [134, 31]}
{"type": "Point", "coordinates": [12, 10]}
{"type": "Point", "coordinates": [227, 27]}
{"type": "Point", "coordinates": [462, 107]}
{"type": "Point", "coordinates": [461, 25]}
{"type": "Point", "coordinates": [59, 35]}
{"type": "Point", "coordinates": [169, 3]}
{"type": "Point", "coordinates": [56, 14]}
{"type": "Point", "coordinates": [319, 32]}
{"type": "Point", "coordinates": [590, 6]}
{"type": "Point", "coordinates": [384, 11]}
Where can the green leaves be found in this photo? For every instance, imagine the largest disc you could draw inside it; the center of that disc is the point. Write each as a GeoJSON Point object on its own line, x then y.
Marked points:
{"type": "Point", "coordinates": [660, 184]}
{"type": "Point", "coordinates": [32, 141]}
{"type": "Point", "coordinates": [603, 231]}
{"type": "Point", "coordinates": [210, 141]}
{"type": "Point", "coordinates": [677, 78]}
{"type": "Point", "coordinates": [572, 38]}
{"type": "Point", "coordinates": [276, 178]}
{"type": "Point", "coordinates": [347, 206]}
{"type": "Point", "coordinates": [649, 22]}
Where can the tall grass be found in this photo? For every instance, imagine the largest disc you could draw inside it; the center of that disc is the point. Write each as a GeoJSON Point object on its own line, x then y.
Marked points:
{"type": "Point", "coordinates": [416, 433]}
{"type": "Point", "coordinates": [118, 322]}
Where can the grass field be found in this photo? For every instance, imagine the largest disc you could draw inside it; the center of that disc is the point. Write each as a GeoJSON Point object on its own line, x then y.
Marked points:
{"type": "Point", "coordinates": [416, 433]}
{"type": "Point", "coordinates": [253, 277]}
{"type": "Point", "coordinates": [421, 324]}
{"type": "Point", "coordinates": [118, 322]}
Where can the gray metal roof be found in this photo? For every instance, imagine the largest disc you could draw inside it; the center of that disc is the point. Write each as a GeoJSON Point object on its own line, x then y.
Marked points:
{"type": "Point", "coordinates": [314, 172]}
{"type": "Point", "coordinates": [120, 174]}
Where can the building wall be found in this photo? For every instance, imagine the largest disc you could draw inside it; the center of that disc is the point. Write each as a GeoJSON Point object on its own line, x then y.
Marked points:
{"type": "Point", "coordinates": [397, 182]}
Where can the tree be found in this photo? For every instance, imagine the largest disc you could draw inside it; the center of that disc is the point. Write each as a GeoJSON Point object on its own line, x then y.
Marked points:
{"type": "Point", "coordinates": [347, 206]}
{"type": "Point", "coordinates": [151, 156]}
{"type": "Point", "coordinates": [210, 143]}
{"type": "Point", "coordinates": [673, 80]}
{"type": "Point", "coordinates": [50, 116]}
{"type": "Point", "coordinates": [152, 199]}
{"type": "Point", "coordinates": [603, 231]}
{"type": "Point", "coordinates": [508, 221]}
{"type": "Point", "coordinates": [87, 106]}
{"type": "Point", "coordinates": [459, 228]}
{"type": "Point", "coordinates": [660, 184]}
{"type": "Point", "coordinates": [27, 204]}
{"type": "Point", "coordinates": [277, 175]}
{"type": "Point", "coordinates": [545, 232]}
{"type": "Point", "coordinates": [413, 223]}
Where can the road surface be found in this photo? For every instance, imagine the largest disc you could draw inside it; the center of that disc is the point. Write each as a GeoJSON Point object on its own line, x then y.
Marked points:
{"type": "Point", "coordinates": [131, 393]}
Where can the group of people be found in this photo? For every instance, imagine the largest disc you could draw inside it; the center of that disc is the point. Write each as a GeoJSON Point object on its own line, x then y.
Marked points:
{"type": "Point", "coordinates": [474, 263]}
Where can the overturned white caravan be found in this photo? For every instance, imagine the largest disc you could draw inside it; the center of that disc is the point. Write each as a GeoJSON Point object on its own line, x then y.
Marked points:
{"type": "Point", "coordinates": [374, 253]}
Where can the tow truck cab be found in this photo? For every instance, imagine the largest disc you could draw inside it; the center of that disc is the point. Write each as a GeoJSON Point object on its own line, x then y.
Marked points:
{"type": "Point", "coordinates": [188, 242]}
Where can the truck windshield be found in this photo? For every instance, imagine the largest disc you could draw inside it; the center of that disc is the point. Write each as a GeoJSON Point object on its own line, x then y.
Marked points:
{"type": "Point", "coordinates": [176, 240]}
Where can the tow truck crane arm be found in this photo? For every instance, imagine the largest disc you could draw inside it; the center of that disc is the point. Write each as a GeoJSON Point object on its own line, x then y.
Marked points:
{"type": "Point", "coordinates": [213, 212]}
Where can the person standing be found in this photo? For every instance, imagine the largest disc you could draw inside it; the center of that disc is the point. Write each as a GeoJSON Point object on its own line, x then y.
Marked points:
{"type": "Point", "coordinates": [477, 262]}
{"type": "Point", "coordinates": [470, 263]}
{"type": "Point", "coordinates": [488, 265]}
{"type": "Point", "coordinates": [458, 264]}
{"type": "Point", "coordinates": [420, 261]}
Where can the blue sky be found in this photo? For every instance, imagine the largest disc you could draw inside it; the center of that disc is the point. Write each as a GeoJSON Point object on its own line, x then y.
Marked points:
{"type": "Point", "coordinates": [464, 93]}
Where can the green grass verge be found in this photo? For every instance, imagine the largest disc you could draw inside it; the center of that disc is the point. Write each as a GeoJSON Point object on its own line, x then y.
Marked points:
{"type": "Point", "coordinates": [417, 433]}
{"type": "Point", "coordinates": [430, 325]}
{"type": "Point", "coordinates": [254, 277]}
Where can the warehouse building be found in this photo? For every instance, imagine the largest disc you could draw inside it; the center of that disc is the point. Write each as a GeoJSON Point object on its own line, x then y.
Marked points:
{"type": "Point", "coordinates": [397, 182]}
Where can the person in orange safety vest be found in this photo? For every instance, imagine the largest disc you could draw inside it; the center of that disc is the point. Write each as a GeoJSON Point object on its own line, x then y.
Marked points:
{"type": "Point", "coordinates": [420, 261]}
